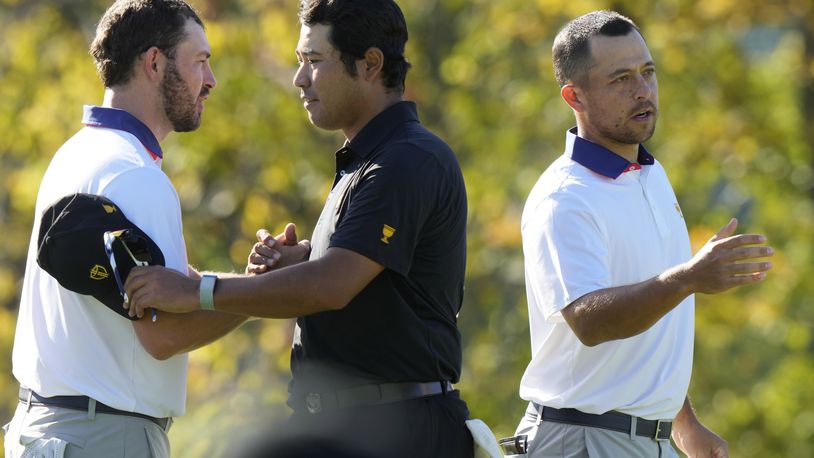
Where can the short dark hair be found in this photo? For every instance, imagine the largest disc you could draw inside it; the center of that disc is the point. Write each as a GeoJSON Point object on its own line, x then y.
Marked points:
{"type": "Point", "coordinates": [131, 27]}
{"type": "Point", "coordinates": [356, 26]}
{"type": "Point", "coordinates": [572, 51]}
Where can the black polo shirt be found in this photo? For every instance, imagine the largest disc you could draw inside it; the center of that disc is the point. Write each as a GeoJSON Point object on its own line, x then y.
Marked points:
{"type": "Point", "coordinates": [399, 199]}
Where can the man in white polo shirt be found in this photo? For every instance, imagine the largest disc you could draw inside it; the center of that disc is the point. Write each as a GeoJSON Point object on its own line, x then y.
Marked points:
{"type": "Point", "coordinates": [610, 275]}
{"type": "Point", "coordinates": [92, 382]}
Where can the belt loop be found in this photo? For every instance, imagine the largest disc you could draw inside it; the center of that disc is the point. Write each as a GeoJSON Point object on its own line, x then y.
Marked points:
{"type": "Point", "coordinates": [539, 408]}
{"type": "Point", "coordinates": [169, 423]}
{"type": "Point", "coordinates": [30, 395]}
{"type": "Point", "coordinates": [91, 408]}
{"type": "Point", "coordinates": [444, 387]}
{"type": "Point", "coordinates": [633, 422]}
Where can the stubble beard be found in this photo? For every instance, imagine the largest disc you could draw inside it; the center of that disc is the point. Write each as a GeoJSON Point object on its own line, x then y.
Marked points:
{"type": "Point", "coordinates": [179, 107]}
{"type": "Point", "coordinates": [627, 136]}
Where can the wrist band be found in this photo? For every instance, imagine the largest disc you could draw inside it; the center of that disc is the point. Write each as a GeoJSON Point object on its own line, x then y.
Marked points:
{"type": "Point", "coordinates": [207, 292]}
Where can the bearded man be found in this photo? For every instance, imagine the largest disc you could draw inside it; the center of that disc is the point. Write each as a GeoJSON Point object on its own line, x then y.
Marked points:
{"type": "Point", "coordinates": [93, 383]}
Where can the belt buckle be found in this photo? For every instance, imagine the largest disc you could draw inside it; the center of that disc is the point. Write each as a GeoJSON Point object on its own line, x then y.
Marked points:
{"type": "Point", "coordinates": [313, 402]}
{"type": "Point", "coordinates": [658, 432]}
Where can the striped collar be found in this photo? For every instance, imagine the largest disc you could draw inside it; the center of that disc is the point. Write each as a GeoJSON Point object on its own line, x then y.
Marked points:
{"type": "Point", "coordinates": [600, 159]}
{"type": "Point", "coordinates": [113, 118]}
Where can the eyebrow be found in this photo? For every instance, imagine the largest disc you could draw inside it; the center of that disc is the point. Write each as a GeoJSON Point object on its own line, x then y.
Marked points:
{"type": "Point", "coordinates": [622, 71]}
{"type": "Point", "coordinates": [308, 52]}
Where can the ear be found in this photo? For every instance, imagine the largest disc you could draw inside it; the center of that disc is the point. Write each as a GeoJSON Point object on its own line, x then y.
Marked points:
{"type": "Point", "coordinates": [152, 64]}
{"type": "Point", "coordinates": [372, 63]}
{"type": "Point", "coordinates": [573, 97]}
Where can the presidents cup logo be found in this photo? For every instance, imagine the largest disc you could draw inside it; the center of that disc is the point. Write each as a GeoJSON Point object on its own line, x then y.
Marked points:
{"type": "Point", "coordinates": [98, 272]}
{"type": "Point", "coordinates": [387, 232]}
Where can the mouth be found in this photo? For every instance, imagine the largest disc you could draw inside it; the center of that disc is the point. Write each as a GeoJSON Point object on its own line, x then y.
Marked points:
{"type": "Point", "coordinates": [644, 114]}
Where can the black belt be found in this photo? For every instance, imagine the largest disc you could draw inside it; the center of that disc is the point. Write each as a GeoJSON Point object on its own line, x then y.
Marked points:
{"type": "Point", "coordinates": [374, 394]}
{"type": "Point", "coordinates": [82, 403]}
{"type": "Point", "coordinates": [614, 421]}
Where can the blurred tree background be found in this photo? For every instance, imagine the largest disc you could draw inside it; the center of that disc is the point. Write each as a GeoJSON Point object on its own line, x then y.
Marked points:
{"type": "Point", "coordinates": [735, 135]}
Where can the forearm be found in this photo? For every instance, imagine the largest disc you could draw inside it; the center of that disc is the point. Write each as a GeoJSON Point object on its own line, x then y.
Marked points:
{"type": "Point", "coordinates": [328, 283]}
{"type": "Point", "coordinates": [291, 292]}
{"type": "Point", "coordinates": [695, 439]}
{"type": "Point", "coordinates": [685, 416]}
{"type": "Point", "coordinates": [626, 311]}
{"type": "Point", "coordinates": [175, 333]}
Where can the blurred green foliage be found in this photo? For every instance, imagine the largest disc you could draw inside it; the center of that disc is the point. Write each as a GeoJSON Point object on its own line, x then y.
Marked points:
{"type": "Point", "coordinates": [735, 135]}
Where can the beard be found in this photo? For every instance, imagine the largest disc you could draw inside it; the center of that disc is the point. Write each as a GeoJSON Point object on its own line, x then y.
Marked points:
{"type": "Point", "coordinates": [627, 136]}
{"type": "Point", "coordinates": [180, 108]}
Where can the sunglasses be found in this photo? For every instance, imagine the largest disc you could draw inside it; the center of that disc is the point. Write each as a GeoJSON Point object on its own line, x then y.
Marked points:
{"type": "Point", "coordinates": [135, 247]}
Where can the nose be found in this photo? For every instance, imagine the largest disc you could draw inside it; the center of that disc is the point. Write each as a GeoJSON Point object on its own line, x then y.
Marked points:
{"type": "Point", "coordinates": [643, 88]}
{"type": "Point", "coordinates": [301, 77]}
{"type": "Point", "coordinates": [209, 77]}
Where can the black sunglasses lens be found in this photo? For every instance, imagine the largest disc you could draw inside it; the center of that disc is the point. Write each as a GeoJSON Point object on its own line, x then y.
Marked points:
{"type": "Point", "coordinates": [137, 246]}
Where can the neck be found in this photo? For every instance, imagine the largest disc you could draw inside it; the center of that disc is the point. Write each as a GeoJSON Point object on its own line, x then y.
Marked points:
{"type": "Point", "coordinates": [626, 150]}
{"type": "Point", "coordinates": [376, 105]}
{"type": "Point", "coordinates": [146, 110]}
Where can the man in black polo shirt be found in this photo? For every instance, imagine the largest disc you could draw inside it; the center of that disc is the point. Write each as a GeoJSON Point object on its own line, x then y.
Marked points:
{"type": "Point", "coordinates": [376, 347]}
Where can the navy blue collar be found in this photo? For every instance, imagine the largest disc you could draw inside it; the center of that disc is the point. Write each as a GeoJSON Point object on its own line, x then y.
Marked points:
{"type": "Point", "coordinates": [600, 159]}
{"type": "Point", "coordinates": [381, 126]}
{"type": "Point", "coordinates": [113, 118]}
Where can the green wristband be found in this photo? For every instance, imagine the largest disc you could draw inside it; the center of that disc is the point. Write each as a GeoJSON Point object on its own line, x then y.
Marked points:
{"type": "Point", "coordinates": [207, 292]}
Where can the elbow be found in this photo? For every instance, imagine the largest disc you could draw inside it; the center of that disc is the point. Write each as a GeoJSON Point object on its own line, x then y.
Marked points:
{"type": "Point", "coordinates": [328, 297]}
{"type": "Point", "coordinates": [588, 340]}
{"type": "Point", "coordinates": [584, 330]}
{"type": "Point", "coordinates": [161, 349]}
{"type": "Point", "coordinates": [332, 303]}
{"type": "Point", "coordinates": [160, 354]}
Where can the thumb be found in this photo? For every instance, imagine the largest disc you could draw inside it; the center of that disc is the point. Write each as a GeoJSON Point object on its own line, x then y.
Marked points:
{"type": "Point", "coordinates": [262, 235]}
{"type": "Point", "coordinates": [290, 234]}
{"type": "Point", "coordinates": [726, 231]}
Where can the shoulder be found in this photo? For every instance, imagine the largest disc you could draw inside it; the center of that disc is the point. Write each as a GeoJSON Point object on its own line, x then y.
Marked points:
{"type": "Point", "coordinates": [564, 188]}
{"type": "Point", "coordinates": [105, 147]}
{"type": "Point", "coordinates": [412, 143]}
{"type": "Point", "coordinates": [564, 180]}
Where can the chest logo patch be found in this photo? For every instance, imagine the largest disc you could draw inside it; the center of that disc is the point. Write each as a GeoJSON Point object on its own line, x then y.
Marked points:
{"type": "Point", "coordinates": [387, 232]}
{"type": "Point", "coordinates": [678, 209]}
{"type": "Point", "coordinates": [109, 208]}
{"type": "Point", "coordinates": [98, 272]}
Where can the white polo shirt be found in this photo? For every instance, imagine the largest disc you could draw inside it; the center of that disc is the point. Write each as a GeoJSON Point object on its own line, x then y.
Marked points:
{"type": "Point", "coordinates": [71, 344]}
{"type": "Point", "coordinates": [595, 221]}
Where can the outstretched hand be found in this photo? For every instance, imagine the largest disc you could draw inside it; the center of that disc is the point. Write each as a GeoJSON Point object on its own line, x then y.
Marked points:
{"type": "Point", "coordinates": [160, 288]}
{"type": "Point", "coordinates": [727, 261]}
{"type": "Point", "coordinates": [276, 252]}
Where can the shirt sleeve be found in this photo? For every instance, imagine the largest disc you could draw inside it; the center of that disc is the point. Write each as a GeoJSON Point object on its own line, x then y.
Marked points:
{"type": "Point", "coordinates": [389, 207]}
{"type": "Point", "coordinates": [566, 254]}
{"type": "Point", "coordinates": [148, 199]}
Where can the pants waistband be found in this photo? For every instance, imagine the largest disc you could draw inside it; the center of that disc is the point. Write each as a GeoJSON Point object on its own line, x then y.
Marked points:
{"type": "Point", "coordinates": [372, 394]}
{"type": "Point", "coordinates": [82, 403]}
{"type": "Point", "coordinates": [614, 421]}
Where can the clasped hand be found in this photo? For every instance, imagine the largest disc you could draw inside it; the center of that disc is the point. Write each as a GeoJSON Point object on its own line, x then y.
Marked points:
{"type": "Point", "coordinates": [169, 290]}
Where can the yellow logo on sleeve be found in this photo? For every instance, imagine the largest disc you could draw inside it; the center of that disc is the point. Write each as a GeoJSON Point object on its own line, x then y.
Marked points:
{"type": "Point", "coordinates": [109, 208]}
{"type": "Point", "coordinates": [98, 272]}
{"type": "Point", "coordinates": [387, 232]}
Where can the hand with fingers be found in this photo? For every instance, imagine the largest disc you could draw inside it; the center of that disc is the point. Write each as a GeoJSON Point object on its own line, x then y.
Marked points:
{"type": "Point", "coordinates": [160, 288]}
{"type": "Point", "coordinates": [727, 261]}
{"type": "Point", "coordinates": [275, 252]}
